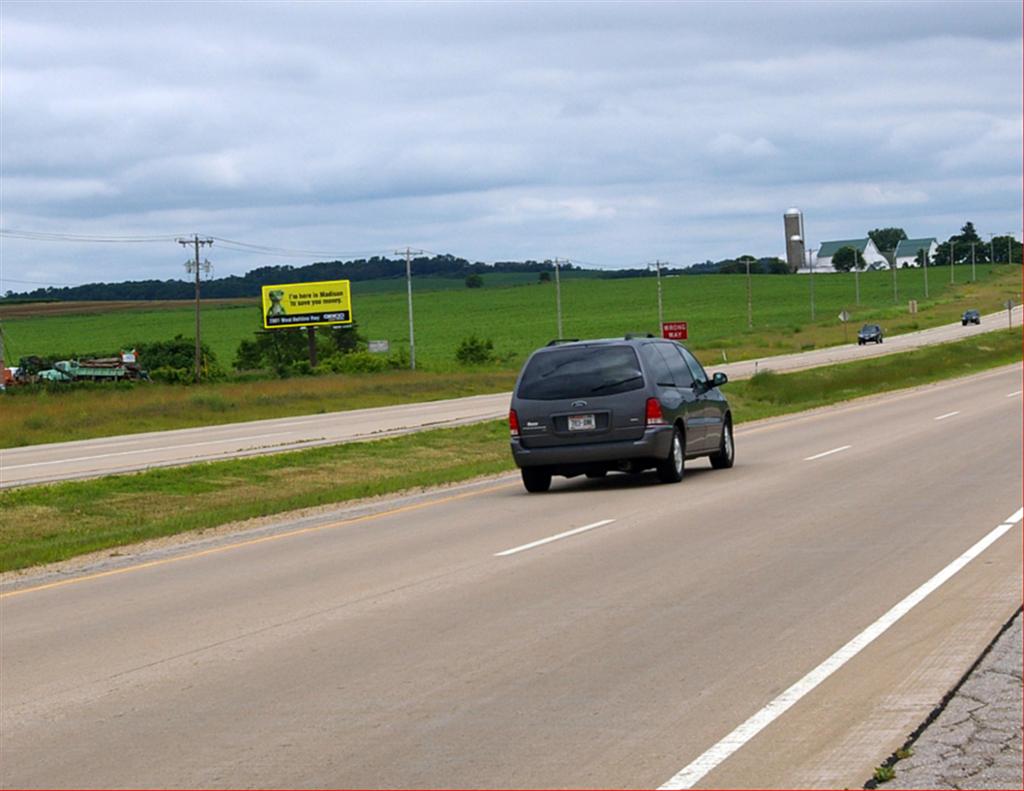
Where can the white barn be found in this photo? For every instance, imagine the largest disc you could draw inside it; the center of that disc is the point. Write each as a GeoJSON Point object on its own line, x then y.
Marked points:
{"type": "Point", "coordinates": [872, 258]}
{"type": "Point", "coordinates": [907, 250]}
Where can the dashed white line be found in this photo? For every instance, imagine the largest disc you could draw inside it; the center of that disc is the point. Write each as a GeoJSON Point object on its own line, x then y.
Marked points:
{"type": "Point", "coordinates": [948, 414]}
{"type": "Point", "coordinates": [1015, 393]}
{"type": "Point", "coordinates": [548, 540]}
{"type": "Point", "coordinates": [712, 757]}
{"type": "Point", "coordinates": [828, 453]}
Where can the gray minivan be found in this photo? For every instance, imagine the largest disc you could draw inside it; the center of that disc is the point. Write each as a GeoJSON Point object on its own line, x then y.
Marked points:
{"type": "Point", "coordinates": [627, 404]}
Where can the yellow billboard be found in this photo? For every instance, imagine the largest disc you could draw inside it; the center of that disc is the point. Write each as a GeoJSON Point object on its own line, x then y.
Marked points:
{"type": "Point", "coordinates": [307, 304]}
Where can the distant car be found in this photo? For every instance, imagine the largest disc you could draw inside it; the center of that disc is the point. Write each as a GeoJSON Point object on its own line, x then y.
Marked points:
{"type": "Point", "coordinates": [970, 317]}
{"type": "Point", "coordinates": [621, 404]}
{"type": "Point", "coordinates": [869, 333]}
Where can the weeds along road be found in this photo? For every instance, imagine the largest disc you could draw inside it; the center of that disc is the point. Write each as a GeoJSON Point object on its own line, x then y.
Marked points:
{"type": "Point", "coordinates": [785, 623]}
{"type": "Point", "coordinates": [128, 453]}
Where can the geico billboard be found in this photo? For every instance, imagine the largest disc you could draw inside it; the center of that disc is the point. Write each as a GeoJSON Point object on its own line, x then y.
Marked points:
{"type": "Point", "coordinates": [307, 304]}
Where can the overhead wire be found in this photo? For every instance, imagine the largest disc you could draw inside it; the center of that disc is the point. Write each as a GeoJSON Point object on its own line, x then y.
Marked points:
{"type": "Point", "coordinates": [45, 236]}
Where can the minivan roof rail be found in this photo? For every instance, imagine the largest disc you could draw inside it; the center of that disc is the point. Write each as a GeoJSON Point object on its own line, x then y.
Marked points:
{"type": "Point", "coordinates": [556, 341]}
{"type": "Point", "coordinates": [631, 335]}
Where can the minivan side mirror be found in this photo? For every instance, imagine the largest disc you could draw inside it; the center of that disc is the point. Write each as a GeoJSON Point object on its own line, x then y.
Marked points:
{"type": "Point", "coordinates": [719, 379]}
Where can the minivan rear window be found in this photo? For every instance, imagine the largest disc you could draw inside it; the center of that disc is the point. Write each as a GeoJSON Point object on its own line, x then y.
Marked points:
{"type": "Point", "coordinates": [579, 371]}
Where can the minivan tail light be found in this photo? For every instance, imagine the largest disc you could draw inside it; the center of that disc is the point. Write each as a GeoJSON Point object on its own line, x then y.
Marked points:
{"type": "Point", "coordinates": [513, 423]}
{"type": "Point", "coordinates": [654, 417]}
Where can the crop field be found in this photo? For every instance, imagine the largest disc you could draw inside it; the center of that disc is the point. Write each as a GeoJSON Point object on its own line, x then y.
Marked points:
{"type": "Point", "coordinates": [518, 318]}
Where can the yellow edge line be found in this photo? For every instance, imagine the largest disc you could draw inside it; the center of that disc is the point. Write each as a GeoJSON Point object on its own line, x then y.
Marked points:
{"type": "Point", "coordinates": [252, 541]}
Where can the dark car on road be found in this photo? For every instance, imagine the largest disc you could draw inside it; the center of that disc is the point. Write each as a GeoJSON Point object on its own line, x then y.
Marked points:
{"type": "Point", "coordinates": [869, 333]}
{"type": "Point", "coordinates": [970, 317]}
{"type": "Point", "coordinates": [627, 404]}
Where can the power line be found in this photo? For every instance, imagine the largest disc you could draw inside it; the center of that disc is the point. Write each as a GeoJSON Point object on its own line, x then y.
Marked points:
{"type": "Point", "coordinates": [289, 252]}
{"type": "Point", "coordinates": [44, 236]}
{"type": "Point", "coordinates": [40, 283]}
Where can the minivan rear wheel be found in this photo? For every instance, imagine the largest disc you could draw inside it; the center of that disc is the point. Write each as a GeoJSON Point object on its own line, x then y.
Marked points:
{"type": "Point", "coordinates": [536, 479]}
{"type": "Point", "coordinates": [726, 455]}
{"type": "Point", "coordinates": [670, 470]}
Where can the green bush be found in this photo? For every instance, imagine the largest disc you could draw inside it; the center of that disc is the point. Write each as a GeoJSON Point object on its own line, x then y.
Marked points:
{"type": "Point", "coordinates": [172, 375]}
{"type": "Point", "coordinates": [355, 363]}
{"type": "Point", "coordinates": [475, 351]}
{"type": "Point", "coordinates": [283, 351]}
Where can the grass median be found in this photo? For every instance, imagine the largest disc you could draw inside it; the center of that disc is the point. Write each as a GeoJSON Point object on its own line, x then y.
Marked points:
{"type": "Point", "coordinates": [43, 524]}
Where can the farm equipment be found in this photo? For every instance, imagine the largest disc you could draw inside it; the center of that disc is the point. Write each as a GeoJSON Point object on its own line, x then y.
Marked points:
{"type": "Point", "coordinates": [98, 369]}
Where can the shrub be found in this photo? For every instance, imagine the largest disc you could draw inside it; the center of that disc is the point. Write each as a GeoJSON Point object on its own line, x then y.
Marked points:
{"type": "Point", "coordinates": [355, 363]}
{"type": "Point", "coordinates": [171, 375]}
{"type": "Point", "coordinates": [179, 352]}
{"type": "Point", "coordinates": [474, 351]}
{"type": "Point", "coordinates": [282, 350]}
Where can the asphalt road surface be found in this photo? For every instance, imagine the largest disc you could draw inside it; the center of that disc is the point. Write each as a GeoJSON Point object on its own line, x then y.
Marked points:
{"type": "Point", "coordinates": [785, 623]}
{"type": "Point", "coordinates": [90, 458]}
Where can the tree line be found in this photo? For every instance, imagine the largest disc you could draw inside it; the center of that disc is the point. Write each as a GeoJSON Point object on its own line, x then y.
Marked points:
{"type": "Point", "coordinates": [249, 284]}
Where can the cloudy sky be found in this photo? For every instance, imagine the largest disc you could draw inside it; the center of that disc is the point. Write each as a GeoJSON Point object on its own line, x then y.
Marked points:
{"type": "Point", "coordinates": [607, 133]}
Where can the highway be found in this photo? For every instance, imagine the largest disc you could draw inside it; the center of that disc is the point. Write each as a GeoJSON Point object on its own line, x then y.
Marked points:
{"type": "Point", "coordinates": [133, 452]}
{"type": "Point", "coordinates": [784, 624]}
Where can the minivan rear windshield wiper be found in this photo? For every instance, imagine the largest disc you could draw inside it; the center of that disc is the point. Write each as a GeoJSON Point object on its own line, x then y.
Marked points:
{"type": "Point", "coordinates": [606, 385]}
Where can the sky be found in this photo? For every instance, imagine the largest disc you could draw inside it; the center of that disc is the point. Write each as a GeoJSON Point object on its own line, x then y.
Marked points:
{"type": "Point", "coordinates": [610, 134]}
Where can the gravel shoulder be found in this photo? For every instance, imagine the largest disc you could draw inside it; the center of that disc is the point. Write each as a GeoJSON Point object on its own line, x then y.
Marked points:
{"type": "Point", "coordinates": [975, 741]}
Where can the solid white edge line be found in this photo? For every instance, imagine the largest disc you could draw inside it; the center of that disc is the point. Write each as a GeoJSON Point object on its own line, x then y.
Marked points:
{"type": "Point", "coordinates": [1016, 393]}
{"type": "Point", "coordinates": [549, 539]}
{"type": "Point", "coordinates": [828, 453]}
{"type": "Point", "coordinates": [948, 414]}
{"type": "Point", "coordinates": [712, 757]}
{"type": "Point", "coordinates": [136, 451]}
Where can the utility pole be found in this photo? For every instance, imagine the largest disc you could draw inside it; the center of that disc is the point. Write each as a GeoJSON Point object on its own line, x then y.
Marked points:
{"type": "Point", "coordinates": [661, 315]}
{"type": "Point", "coordinates": [810, 264]}
{"type": "Point", "coordinates": [992, 248]}
{"type": "Point", "coordinates": [197, 267]}
{"type": "Point", "coordinates": [974, 271]}
{"type": "Point", "coordinates": [408, 289]}
{"type": "Point", "coordinates": [952, 262]}
{"type": "Point", "coordinates": [1009, 247]}
{"type": "Point", "coordinates": [3, 359]}
{"type": "Point", "coordinates": [750, 297]}
{"type": "Point", "coordinates": [895, 290]}
{"type": "Point", "coordinates": [856, 275]}
{"type": "Point", "coordinates": [924, 263]}
{"type": "Point", "coordinates": [558, 295]}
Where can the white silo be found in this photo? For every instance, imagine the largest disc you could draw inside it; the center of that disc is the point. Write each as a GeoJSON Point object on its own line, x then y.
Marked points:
{"type": "Point", "coordinates": [793, 224]}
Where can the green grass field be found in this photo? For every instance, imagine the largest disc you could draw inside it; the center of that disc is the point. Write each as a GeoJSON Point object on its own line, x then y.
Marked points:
{"type": "Point", "coordinates": [518, 318]}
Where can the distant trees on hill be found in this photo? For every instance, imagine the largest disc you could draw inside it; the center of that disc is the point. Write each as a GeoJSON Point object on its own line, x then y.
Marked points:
{"type": "Point", "coordinates": [248, 285]}
{"type": "Point", "coordinates": [376, 268]}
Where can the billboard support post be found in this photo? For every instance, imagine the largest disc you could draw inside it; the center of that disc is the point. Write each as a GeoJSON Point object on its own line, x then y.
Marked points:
{"type": "Point", "coordinates": [311, 335]}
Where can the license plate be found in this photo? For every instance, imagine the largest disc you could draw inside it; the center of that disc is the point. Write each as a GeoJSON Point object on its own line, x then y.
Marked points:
{"type": "Point", "coordinates": [582, 423]}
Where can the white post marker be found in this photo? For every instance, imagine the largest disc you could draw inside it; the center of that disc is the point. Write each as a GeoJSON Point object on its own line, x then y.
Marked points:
{"type": "Point", "coordinates": [693, 772]}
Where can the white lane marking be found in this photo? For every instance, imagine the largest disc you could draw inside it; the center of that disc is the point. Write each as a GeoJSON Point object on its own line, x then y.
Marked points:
{"type": "Point", "coordinates": [548, 540]}
{"type": "Point", "coordinates": [948, 414]}
{"type": "Point", "coordinates": [828, 452]}
{"type": "Point", "coordinates": [1015, 393]}
{"type": "Point", "coordinates": [712, 757]}
{"type": "Point", "coordinates": [142, 450]}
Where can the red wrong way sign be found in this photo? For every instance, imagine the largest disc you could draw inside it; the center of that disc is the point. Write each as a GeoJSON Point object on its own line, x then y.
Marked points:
{"type": "Point", "coordinates": [674, 330]}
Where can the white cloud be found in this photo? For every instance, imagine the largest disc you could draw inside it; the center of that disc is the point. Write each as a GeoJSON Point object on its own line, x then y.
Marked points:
{"type": "Point", "coordinates": [610, 132]}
